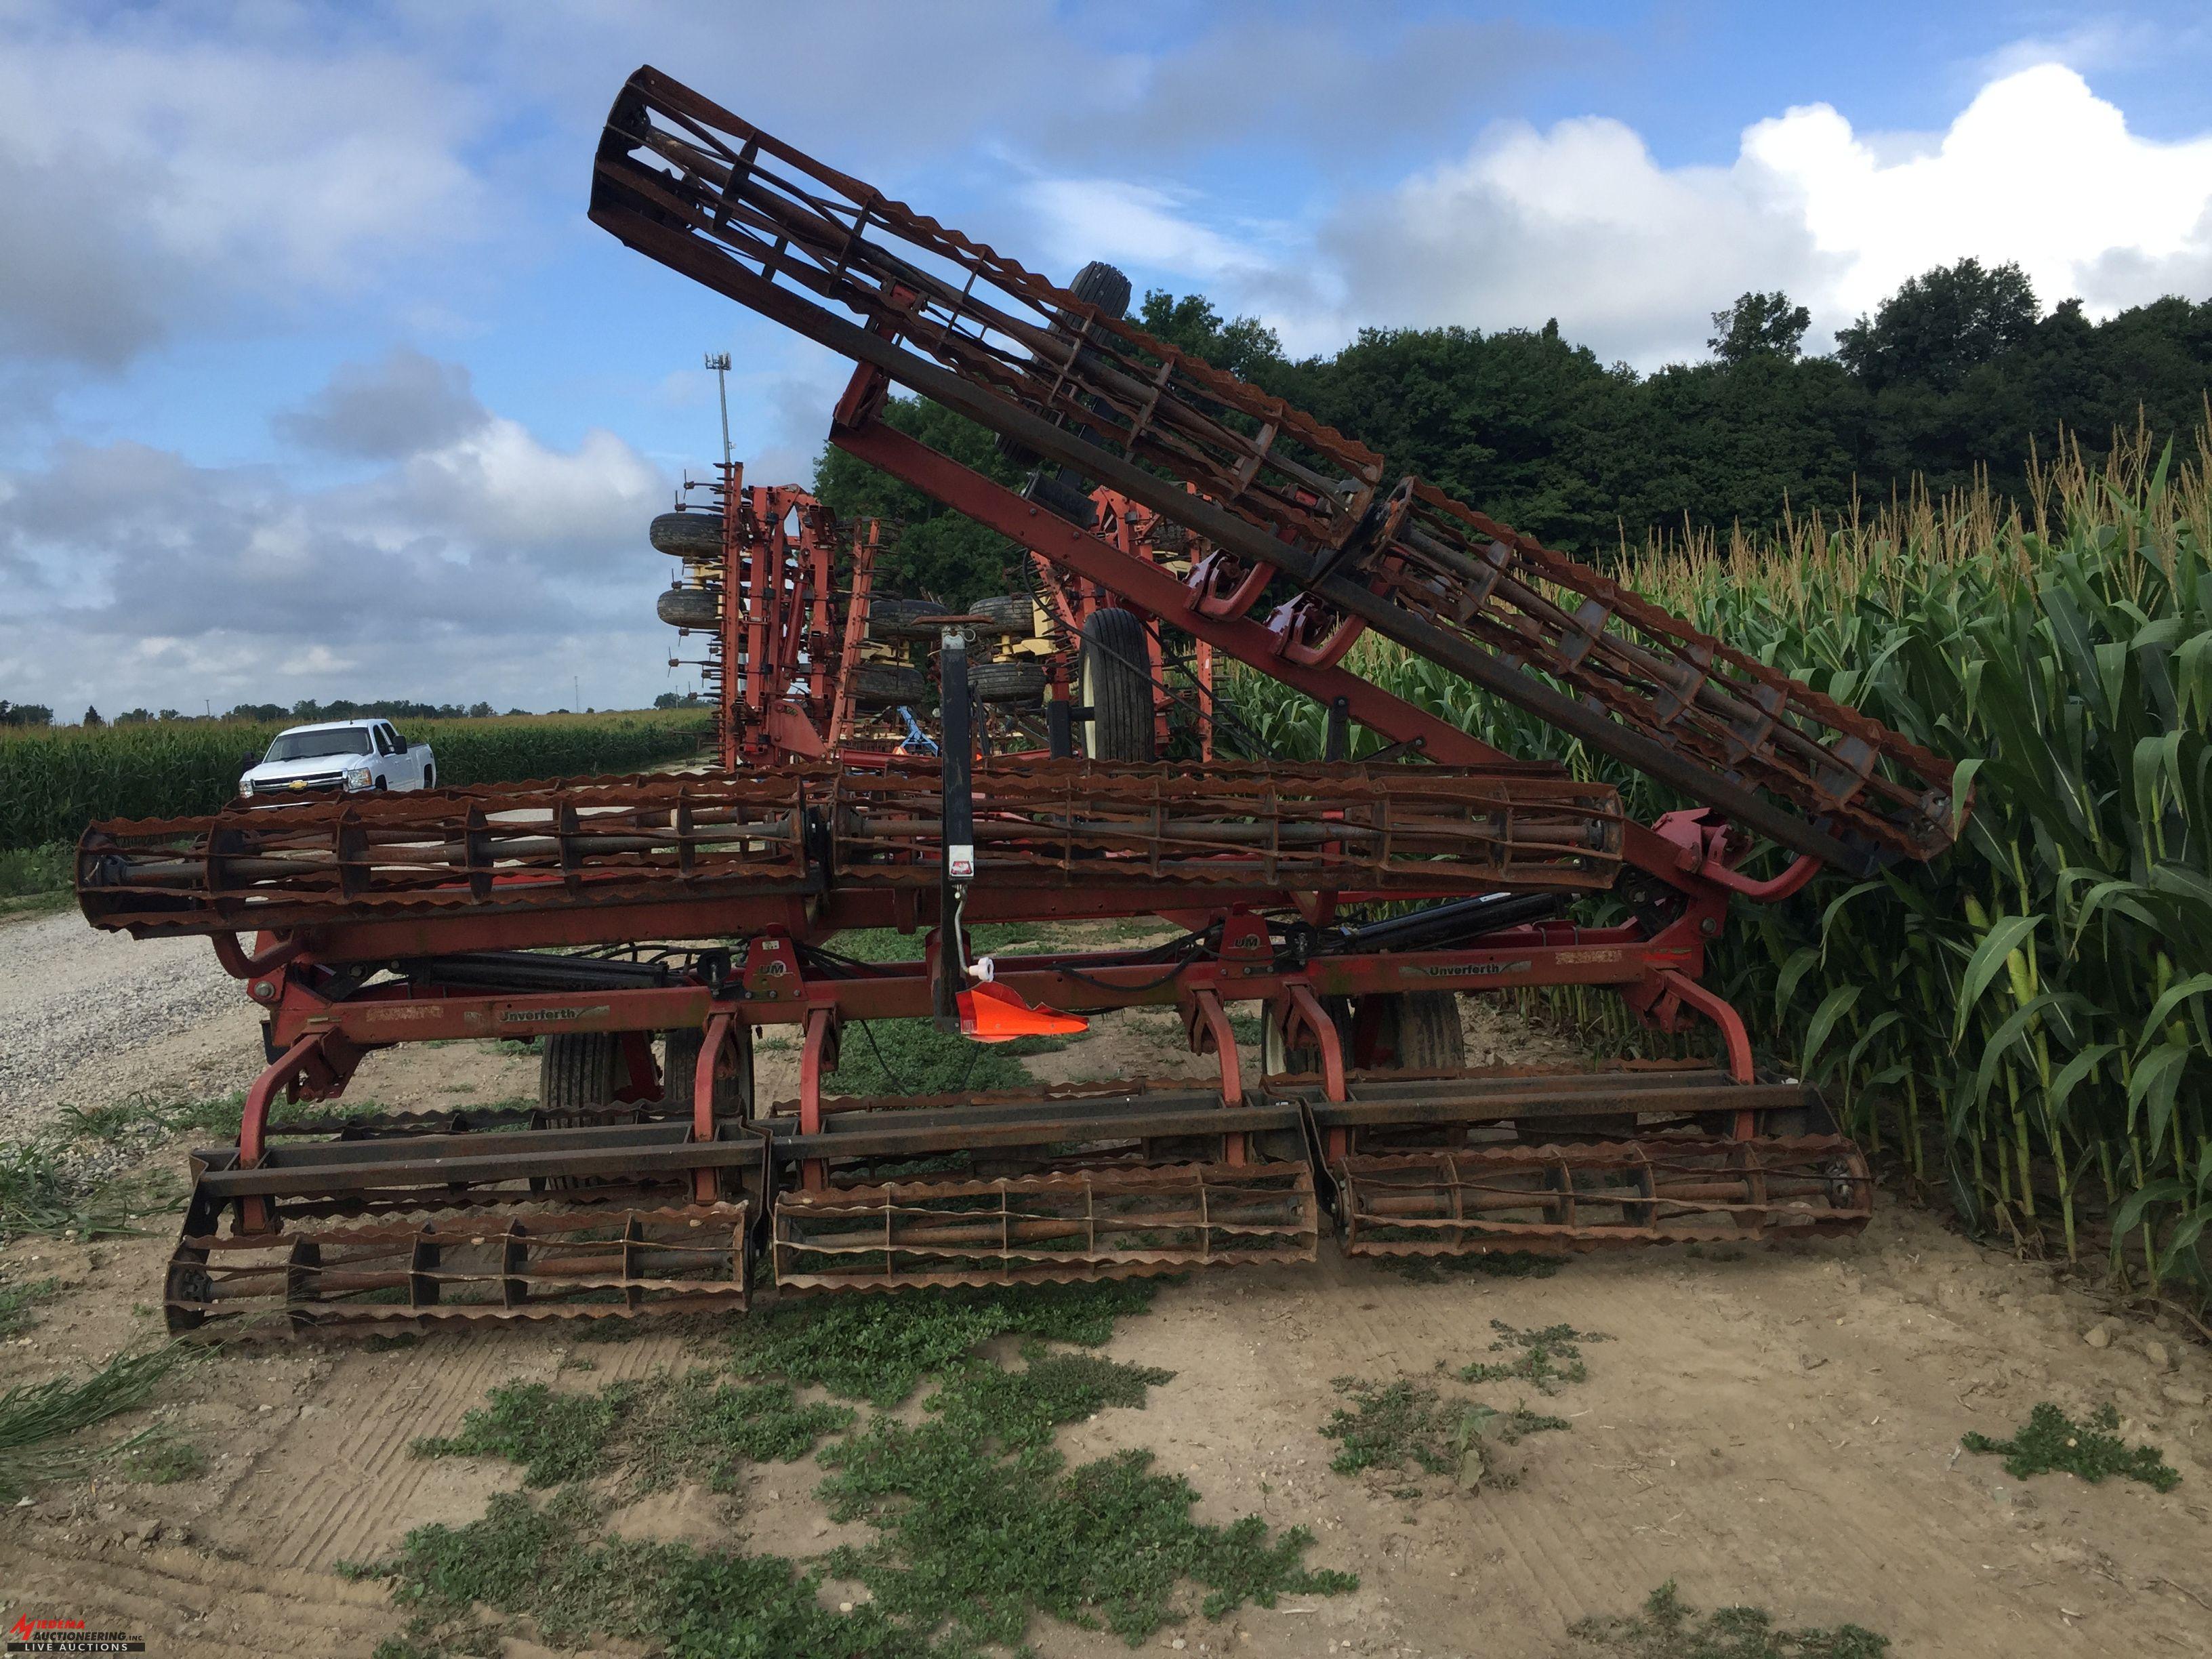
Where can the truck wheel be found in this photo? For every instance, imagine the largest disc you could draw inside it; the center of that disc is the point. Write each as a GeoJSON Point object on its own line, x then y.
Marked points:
{"type": "Point", "coordinates": [688, 535]}
{"type": "Point", "coordinates": [688, 607]}
{"type": "Point", "coordinates": [1006, 682]}
{"type": "Point", "coordinates": [887, 686]}
{"type": "Point", "coordinates": [1416, 1031]}
{"type": "Point", "coordinates": [1117, 687]}
{"type": "Point", "coordinates": [904, 619]}
{"type": "Point", "coordinates": [430, 777]}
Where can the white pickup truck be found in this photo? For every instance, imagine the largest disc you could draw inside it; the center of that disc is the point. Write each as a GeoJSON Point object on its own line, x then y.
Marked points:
{"type": "Point", "coordinates": [338, 757]}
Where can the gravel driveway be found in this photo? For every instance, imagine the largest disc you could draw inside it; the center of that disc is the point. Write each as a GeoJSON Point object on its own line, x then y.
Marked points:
{"type": "Point", "coordinates": [88, 1017]}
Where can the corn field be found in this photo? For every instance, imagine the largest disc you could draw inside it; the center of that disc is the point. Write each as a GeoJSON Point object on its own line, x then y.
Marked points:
{"type": "Point", "coordinates": [55, 781]}
{"type": "Point", "coordinates": [2024, 1024]}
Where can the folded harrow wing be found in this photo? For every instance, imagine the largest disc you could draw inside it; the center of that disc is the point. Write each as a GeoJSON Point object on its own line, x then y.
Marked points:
{"type": "Point", "coordinates": [643, 929]}
{"type": "Point", "coordinates": [780, 595]}
{"type": "Point", "coordinates": [1268, 487]}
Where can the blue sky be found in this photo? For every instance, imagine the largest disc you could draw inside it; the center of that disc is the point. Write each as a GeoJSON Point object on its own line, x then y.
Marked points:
{"type": "Point", "coordinates": [315, 382]}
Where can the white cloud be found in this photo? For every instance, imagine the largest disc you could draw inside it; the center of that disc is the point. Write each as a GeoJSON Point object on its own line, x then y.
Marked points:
{"type": "Point", "coordinates": [484, 564]}
{"type": "Point", "coordinates": [148, 181]}
{"type": "Point", "coordinates": [1580, 221]}
{"type": "Point", "coordinates": [1127, 223]}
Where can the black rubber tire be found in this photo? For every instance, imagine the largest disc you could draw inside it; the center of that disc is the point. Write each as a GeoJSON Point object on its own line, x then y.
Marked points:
{"type": "Point", "coordinates": [904, 619]}
{"type": "Point", "coordinates": [734, 1094]}
{"type": "Point", "coordinates": [579, 1071]}
{"type": "Point", "coordinates": [688, 607]}
{"type": "Point", "coordinates": [1104, 286]}
{"type": "Point", "coordinates": [430, 776]}
{"type": "Point", "coordinates": [1417, 1031]}
{"type": "Point", "coordinates": [1099, 285]}
{"type": "Point", "coordinates": [1006, 682]}
{"type": "Point", "coordinates": [1117, 687]}
{"type": "Point", "coordinates": [688, 535]}
{"type": "Point", "coordinates": [887, 686]}
{"type": "Point", "coordinates": [1014, 615]}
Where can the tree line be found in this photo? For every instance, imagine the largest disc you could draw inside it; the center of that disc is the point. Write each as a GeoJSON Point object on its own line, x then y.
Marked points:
{"type": "Point", "coordinates": [1960, 375]}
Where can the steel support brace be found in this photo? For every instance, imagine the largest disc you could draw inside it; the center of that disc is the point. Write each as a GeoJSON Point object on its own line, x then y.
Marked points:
{"type": "Point", "coordinates": [1660, 999]}
{"type": "Point", "coordinates": [818, 1055]}
{"type": "Point", "coordinates": [1207, 1023]}
{"type": "Point", "coordinates": [704, 1129]}
{"type": "Point", "coordinates": [266, 959]}
{"type": "Point", "coordinates": [1298, 1010]}
{"type": "Point", "coordinates": [316, 1067]}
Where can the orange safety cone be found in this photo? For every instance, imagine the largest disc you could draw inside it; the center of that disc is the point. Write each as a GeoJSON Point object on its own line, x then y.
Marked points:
{"type": "Point", "coordinates": [992, 1013]}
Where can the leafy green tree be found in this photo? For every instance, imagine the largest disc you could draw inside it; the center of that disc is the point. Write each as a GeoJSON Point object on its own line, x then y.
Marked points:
{"type": "Point", "coordinates": [928, 549]}
{"type": "Point", "coordinates": [1245, 346]}
{"type": "Point", "coordinates": [1760, 325]}
{"type": "Point", "coordinates": [1939, 325]}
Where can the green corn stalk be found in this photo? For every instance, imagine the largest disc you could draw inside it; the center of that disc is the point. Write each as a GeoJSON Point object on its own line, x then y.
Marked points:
{"type": "Point", "coordinates": [2068, 653]}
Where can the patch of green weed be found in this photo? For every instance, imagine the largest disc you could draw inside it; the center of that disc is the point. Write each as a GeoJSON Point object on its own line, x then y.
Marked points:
{"type": "Point", "coordinates": [657, 1430]}
{"type": "Point", "coordinates": [38, 1421]}
{"type": "Point", "coordinates": [2051, 1440]}
{"type": "Point", "coordinates": [880, 1348]}
{"type": "Point", "coordinates": [543, 1562]}
{"type": "Point", "coordinates": [149, 1114]}
{"type": "Point", "coordinates": [980, 1521]}
{"type": "Point", "coordinates": [1487, 1264]}
{"type": "Point", "coordinates": [1022, 1408]}
{"type": "Point", "coordinates": [1668, 1629]}
{"type": "Point", "coordinates": [38, 1195]}
{"type": "Point", "coordinates": [912, 1057]}
{"type": "Point", "coordinates": [1549, 1357]}
{"type": "Point", "coordinates": [1402, 1424]}
{"type": "Point", "coordinates": [38, 871]}
{"type": "Point", "coordinates": [889, 944]}
{"type": "Point", "coordinates": [554, 1436]}
{"type": "Point", "coordinates": [17, 1301]}
{"type": "Point", "coordinates": [161, 1459]}
{"type": "Point", "coordinates": [697, 1424]}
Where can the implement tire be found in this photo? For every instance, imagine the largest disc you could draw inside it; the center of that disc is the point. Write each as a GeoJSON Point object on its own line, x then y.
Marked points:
{"type": "Point", "coordinates": [904, 619]}
{"type": "Point", "coordinates": [1011, 614]}
{"type": "Point", "coordinates": [688, 607]}
{"type": "Point", "coordinates": [1415, 1031]}
{"type": "Point", "coordinates": [1006, 682]}
{"type": "Point", "coordinates": [888, 685]}
{"type": "Point", "coordinates": [688, 535]}
{"type": "Point", "coordinates": [1117, 687]}
{"type": "Point", "coordinates": [579, 1071]}
{"type": "Point", "coordinates": [733, 1085]}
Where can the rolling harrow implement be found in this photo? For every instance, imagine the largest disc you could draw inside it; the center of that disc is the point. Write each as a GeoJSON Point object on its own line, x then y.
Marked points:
{"type": "Point", "coordinates": [644, 929]}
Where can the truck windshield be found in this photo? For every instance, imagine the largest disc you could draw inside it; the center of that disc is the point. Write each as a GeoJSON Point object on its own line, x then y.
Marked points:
{"type": "Point", "coordinates": [307, 745]}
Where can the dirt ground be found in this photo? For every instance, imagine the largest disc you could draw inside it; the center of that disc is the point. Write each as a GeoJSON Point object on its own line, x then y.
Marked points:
{"type": "Point", "coordinates": [1777, 1427]}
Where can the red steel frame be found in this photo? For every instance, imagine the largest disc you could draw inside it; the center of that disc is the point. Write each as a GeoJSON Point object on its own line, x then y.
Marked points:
{"type": "Point", "coordinates": [782, 653]}
{"type": "Point", "coordinates": [1074, 599]}
{"type": "Point", "coordinates": [321, 1040]}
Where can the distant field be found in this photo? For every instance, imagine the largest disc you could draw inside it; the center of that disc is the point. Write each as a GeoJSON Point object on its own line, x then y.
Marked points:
{"type": "Point", "coordinates": [55, 780]}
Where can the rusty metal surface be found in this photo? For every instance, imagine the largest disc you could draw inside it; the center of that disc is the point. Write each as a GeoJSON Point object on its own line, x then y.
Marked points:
{"type": "Point", "coordinates": [1571, 1197]}
{"type": "Point", "coordinates": [702, 190]}
{"type": "Point", "coordinates": [1051, 1228]}
{"type": "Point", "coordinates": [1292, 827]}
{"type": "Point", "coordinates": [492, 848]}
{"type": "Point", "coordinates": [503, 1264]}
{"type": "Point", "coordinates": [492, 851]}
